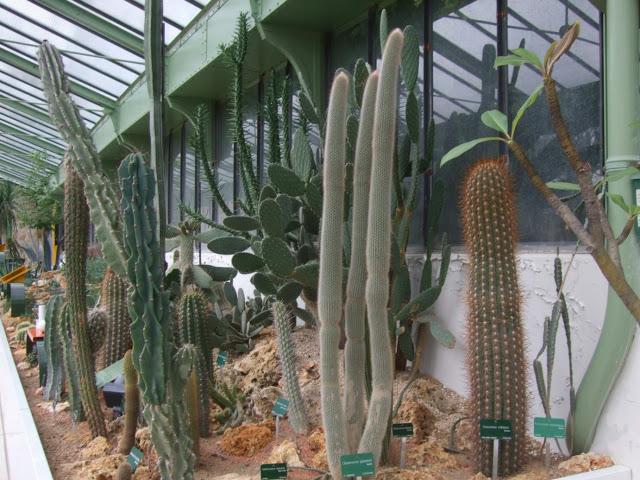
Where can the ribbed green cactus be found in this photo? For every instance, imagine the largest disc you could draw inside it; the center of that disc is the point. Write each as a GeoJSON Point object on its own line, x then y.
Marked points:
{"type": "Point", "coordinates": [117, 336]}
{"type": "Point", "coordinates": [124, 472]}
{"type": "Point", "coordinates": [496, 356]}
{"type": "Point", "coordinates": [162, 374]}
{"type": "Point", "coordinates": [378, 124]}
{"type": "Point", "coordinates": [297, 412]}
{"type": "Point", "coordinates": [194, 326]}
{"type": "Point", "coordinates": [101, 193]}
{"type": "Point", "coordinates": [53, 350]}
{"type": "Point", "coordinates": [76, 227]}
{"type": "Point", "coordinates": [70, 366]}
{"type": "Point", "coordinates": [131, 406]}
{"type": "Point", "coordinates": [97, 320]}
{"type": "Point", "coordinates": [193, 399]}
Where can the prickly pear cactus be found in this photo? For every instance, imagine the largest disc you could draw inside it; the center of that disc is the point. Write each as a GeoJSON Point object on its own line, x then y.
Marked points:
{"type": "Point", "coordinates": [76, 227]}
{"type": "Point", "coordinates": [496, 357]}
{"type": "Point", "coordinates": [114, 299]}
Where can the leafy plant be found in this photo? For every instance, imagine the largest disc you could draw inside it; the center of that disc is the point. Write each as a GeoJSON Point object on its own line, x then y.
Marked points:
{"type": "Point", "coordinates": [38, 203]}
{"type": "Point", "coordinates": [7, 209]}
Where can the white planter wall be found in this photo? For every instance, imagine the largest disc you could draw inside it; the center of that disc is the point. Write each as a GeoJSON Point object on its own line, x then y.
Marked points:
{"type": "Point", "coordinates": [586, 292]}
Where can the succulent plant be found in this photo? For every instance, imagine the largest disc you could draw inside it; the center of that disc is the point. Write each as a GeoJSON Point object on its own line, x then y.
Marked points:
{"type": "Point", "coordinates": [53, 351]}
{"type": "Point", "coordinates": [496, 357]}
{"type": "Point", "coordinates": [131, 406]}
{"type": "Point", "coordinates": [70, 366]}
{"type": "Point", "coordinates": [76, 227]}
{"type": "Point", "coordinates": [117, 336]}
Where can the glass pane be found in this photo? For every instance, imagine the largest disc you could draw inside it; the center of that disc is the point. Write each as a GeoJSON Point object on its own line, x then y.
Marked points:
{"type": "Point", "coordinates": [578, 79]}
{"type": "Point", "coordinates": [175, 163]}
{"type": "Point", "coordinates": [224, 155]}
{"type": "Point", "coordinates": [464, 85]}
{"type": "Point", "coordinates": [189, 193]}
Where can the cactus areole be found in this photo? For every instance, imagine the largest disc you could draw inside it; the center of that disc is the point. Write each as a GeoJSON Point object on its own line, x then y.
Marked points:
{"type": "Point", "coordinates": [495, 359]}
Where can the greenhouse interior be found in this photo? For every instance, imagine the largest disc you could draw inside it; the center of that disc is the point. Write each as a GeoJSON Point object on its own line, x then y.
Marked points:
{"type": "Point", "coordinates": [319, 239]}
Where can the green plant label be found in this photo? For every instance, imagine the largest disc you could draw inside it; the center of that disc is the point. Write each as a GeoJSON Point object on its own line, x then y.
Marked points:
{"type": "Point", "coordinates": [110, 373]}
{"type": "Point", "coordinates": [222, 358]}
{"type": "Point", "coordinates": [280, 407]}
{"type": "Point", "coordinates": [549, 427]}
{"type": "Point", "coordinates": [134, 458]}
{"type": "Point", "coordinates": [358, 465]}
{"type": "Point", "coordinates": [495, 429]}
{"type": "Point", "coordinates": [402, 429]}
{"type": "Point", "coordinates": [277, 471]}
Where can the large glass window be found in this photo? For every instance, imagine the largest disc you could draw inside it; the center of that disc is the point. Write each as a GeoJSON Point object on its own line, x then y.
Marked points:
{"type": "Point", "coordinates": [175, 162]}
{"type": "Point", "coordinates": [189, 181]}
{"type": "Point", "coordinates": [224, 156]}
{"type": "Point", "coordinates": [534, 27]}
{"type": "Point", "coordinates": [464, 86]}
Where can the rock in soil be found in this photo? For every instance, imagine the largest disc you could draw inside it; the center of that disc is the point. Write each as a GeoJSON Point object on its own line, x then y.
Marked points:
{"type": "Point", "coordinates": [285, 452]}
{"type": "Point", "coordinates": [262, 401]}
{"type": "Point", "coordinates": [585, 463]}
{"type": "Point", "coordinates": [247, 440]}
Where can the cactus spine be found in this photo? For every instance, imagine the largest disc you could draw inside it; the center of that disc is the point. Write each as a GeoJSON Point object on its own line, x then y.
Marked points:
{"type": "Point", "coordinates": [194, 331]}
{"type": "Point", "coordinates": [297, 412]}
{"type": "Point", "coordinates": [330, 277]}
{"type": "Point", "coordinates": [101, 194]}
{"type": "Point", "coordinates": [76, 227]}
{"type": "Point", "coordinates": [378, 246]}
{"type": "Point", "coordinates": [131, 406]}
{"type": "Point", "coordinates": [495, 362]}
{"type": "Point", "coordinates": [53, 350]}
{"type": "Point", "coordinates": [70, 365]}
{"type": "Point", "coordinates": [114, 300]}
{"type": "Point", "coordinates": [162, 378]}
{"type": "Point", "coordinates": [355, 308]}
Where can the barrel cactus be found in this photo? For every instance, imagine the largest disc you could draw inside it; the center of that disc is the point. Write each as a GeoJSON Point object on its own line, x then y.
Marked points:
{"type": "Point", "coordinates": [496, 356]}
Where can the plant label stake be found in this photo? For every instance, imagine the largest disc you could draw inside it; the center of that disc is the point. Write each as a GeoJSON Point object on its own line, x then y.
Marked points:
{"type": "Point", "coordinates": [221, 359]}
{"type": "Point", "coordinates": [358, 465]}
{"type": "Point", "coordinates": [273, 471]}
{"type": "Point", "coordinates": [495, 430]}
{"type": "Point", "coordinates": [402, 431]}
{"type": "Point", "coordinates": [279, 410]}
{"type": "Point", "coordinates": [134, 458]}
{"type": "Point", "coordinates": [547, 427]}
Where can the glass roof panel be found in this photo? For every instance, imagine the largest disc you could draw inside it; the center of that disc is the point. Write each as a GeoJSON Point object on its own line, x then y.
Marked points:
{"type": "Point", "coordinates": [93, 59]}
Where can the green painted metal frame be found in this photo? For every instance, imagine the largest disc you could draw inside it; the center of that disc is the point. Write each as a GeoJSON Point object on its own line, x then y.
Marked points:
{"type": "Point", "coordinates": [26, 109]}
{"type": "Point", "coordinates": [31, 68]}
{"type": "Point", "coordinates": [34, 140]}
{"type": "Point", "coordinates": [94, 23]}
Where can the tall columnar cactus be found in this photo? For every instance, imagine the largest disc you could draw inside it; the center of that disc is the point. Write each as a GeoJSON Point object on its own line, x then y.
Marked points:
{"type": "Point", "coordinates": [96, 328]}
{"type": "Point", "coordinates": [378, 124]}
{"type": "Point", "coordinates": [496, 357]}
{"type": "Point", "coordinates": [101, 193]}
{"type": "Point", "coordinates": [194, 328]}
{"type": "Point", "coordinates": [297, 411]}
{"type": "Point", "coordinates": [193, 398]}
{"type": "Point", "coordinates": [114, 299]}
{"type": "Point", "coordinates": [70, 366]}
{"type": "Point", "coordinates": [53, 349]}
{"type": "Point", "coordinates": [131, 406]}
{"type": "Point", "coordinates": [76, 227]}
{"type": "Point", "coordinates": [162, 373]}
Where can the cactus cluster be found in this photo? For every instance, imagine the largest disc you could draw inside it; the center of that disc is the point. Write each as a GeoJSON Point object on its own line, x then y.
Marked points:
{"type": "Point", "coordinates": [496, 357]}
{"type": "Point", "coordinates": [195, 329]}
{"type": "Point", "coordinates": [76, 227]}
{"type": "Point", "coordinates": [376, 138]}
{"type": "Point", "coordinates": [113, 299]}
{"type": "Point", "coordinates": [163, 371]}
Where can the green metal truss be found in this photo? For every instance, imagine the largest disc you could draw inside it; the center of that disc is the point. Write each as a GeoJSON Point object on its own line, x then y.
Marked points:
{"type": "Point", "coordinates": [26, 109]}
{"type": "Point", "coordinates": [4, 127]}
{"type": "Point", "coordinates": [94, 23]}
{"type": "Point", "coordinates": [31, 68]}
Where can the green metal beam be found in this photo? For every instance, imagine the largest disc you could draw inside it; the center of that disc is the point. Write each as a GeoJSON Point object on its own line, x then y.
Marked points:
{"type": "Point", "coordinates": [26, 109]}
{"type": "Point", "coordinates": [31, 68]}
{"type": "Point", "coordinates": [32, 139]}
{"type": "Point", "coordinates": [10, 150]}
{"type": "Point", "coordinates": [93, 23]}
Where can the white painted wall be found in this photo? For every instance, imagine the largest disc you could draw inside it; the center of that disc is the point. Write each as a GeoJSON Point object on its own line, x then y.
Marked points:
{"type": "Point", "coordinates": [586, 292]}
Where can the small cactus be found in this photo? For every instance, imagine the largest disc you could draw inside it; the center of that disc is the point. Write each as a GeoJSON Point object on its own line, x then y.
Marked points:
{"type": "Point", "coordinates": [97, 320]}
{"type": "Point", "coordinates": [114, 299]}
{"type": "Point", "coordinates": [496, 359]}
{"type": "Point", "coordinates": [131, 406]}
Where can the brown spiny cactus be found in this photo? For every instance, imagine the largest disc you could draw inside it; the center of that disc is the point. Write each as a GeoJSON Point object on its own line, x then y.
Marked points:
{"type": "Point", "coordinates": [496, 356]}
{"type": "Point", "coordinates": [131, 406]}
{"type": "Point", "coordinates": [114, 299]}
